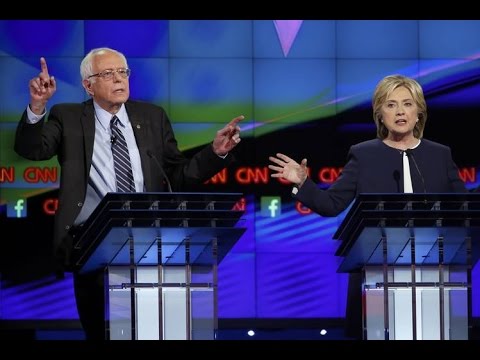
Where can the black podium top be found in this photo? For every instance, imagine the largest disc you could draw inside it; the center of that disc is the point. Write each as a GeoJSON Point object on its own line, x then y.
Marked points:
{"type": "Point", "coordinates": [401, 218]}
{"type": "Point", "coordinates": [159, 228]}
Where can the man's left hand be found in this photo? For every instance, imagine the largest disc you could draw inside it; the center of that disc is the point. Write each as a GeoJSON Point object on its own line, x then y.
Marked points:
{"type": "Point", "coordinates": [228, 137]}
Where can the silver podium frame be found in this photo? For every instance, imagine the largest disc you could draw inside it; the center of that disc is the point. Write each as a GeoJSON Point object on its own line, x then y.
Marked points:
{"type": "Point", "coordinates": [416, 253]}
{"type": "Point", "coordinates": [160, 254]}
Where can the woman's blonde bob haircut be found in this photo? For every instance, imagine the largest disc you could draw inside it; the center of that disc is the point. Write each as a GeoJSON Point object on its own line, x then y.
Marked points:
{"type": "Point", "coordinates": [382, 92]}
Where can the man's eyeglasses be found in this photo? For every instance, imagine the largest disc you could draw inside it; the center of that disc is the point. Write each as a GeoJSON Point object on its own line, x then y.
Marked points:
{"type": "Point", "coordinates": [108, 74]}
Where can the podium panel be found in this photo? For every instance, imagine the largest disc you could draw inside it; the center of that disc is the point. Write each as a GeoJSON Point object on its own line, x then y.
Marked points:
{"type": "Point", "coordinates": [416, 253]}
{"type": "Point", "coordinates": [160, 253]}
{"type": "Point", "coordinates": [168, 309]}
{"type": "Point", "coordinates": [427, 298]}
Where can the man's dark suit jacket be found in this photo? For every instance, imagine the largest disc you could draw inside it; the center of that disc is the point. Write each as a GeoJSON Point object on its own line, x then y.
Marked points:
{"type": "Point", "coordinates": [69, 133]}
{"type": "Point", "coordinates": [374, 167]}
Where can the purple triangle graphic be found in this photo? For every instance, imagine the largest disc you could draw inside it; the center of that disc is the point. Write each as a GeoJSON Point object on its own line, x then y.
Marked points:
{"type": "Point", "coordinates": [287, 31]}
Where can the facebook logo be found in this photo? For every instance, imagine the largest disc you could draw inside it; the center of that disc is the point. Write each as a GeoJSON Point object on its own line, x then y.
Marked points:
{"type": "Point", "coordinates": [17, 209]}
{"type": "Point", "coordinates": [270, 206]}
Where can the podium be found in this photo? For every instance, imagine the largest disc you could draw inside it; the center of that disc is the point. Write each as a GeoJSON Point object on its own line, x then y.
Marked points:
{"type": "Point", "coordinates": [160, 253]}
{"type": "Point", "coordinates": [416, 253]}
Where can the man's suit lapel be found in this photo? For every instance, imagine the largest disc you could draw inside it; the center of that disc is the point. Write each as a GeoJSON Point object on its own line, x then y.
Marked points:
{"type": "Point", "coordinates": [88, 124]}
{"type": "Point", "coordinates": [139, 126]}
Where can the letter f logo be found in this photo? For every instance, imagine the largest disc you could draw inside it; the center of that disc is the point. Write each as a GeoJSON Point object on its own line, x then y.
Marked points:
{"type": "Point", "coordinates": [271, 206]}
{"type": "Point", "coordinates": [18, 210]}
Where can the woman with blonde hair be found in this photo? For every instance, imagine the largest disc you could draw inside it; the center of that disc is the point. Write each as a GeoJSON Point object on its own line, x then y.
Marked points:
{"type": "Point", "coordinates": [398, 160]}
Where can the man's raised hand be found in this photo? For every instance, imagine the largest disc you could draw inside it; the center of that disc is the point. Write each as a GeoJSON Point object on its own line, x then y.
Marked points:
{"type": "Point", "coordinates": [42, 88]}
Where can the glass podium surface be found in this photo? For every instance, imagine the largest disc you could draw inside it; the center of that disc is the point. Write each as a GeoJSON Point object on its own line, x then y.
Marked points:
{"type": "Point", "coordinates": [160, 253]}
{"type": "Point", "coordinates": [416, 253]}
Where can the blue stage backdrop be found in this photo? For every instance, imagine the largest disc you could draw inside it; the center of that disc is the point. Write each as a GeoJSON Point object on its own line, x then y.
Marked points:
{"type": "Point", "coordinates": [305, 89]}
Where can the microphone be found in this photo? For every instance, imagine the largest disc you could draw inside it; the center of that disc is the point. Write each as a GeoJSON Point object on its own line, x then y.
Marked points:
{"type": "Point", "coordinates": [154, 158]}
{"type": "Point", "coordinates": [409, 153]}
{"type": "Point", "coordinates": [113, 139]}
